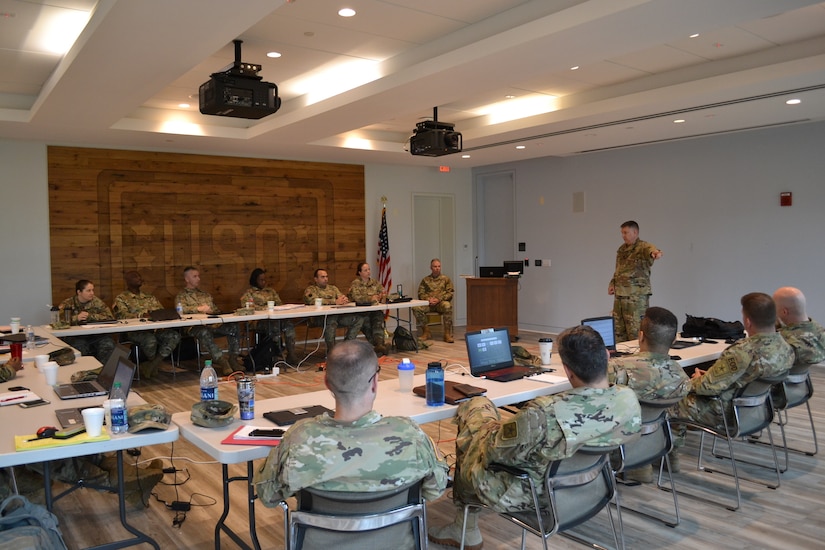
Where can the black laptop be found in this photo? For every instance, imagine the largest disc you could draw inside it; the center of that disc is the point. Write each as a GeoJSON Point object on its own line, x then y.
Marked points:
{"type": "Point", "coordinates": [287, 417]}
{"type": "Point", "coordinates": [606, 327]}
{"type": "Point", "coordinates": [491, 357]}
{"type": "Point", "coordinates": [164, 314]}
{"type": "Point", "coordinates": [124, 373]}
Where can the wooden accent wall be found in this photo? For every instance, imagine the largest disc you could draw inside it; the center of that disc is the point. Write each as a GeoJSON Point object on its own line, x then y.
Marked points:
{"type": "Point", "coordinates": [113, 211]}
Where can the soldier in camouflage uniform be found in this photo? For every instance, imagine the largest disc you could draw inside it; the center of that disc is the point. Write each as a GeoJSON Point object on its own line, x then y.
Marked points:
{"type": "Point", "coordinates": [330, 295]}
{"type": "Point", "coordinates": [195, 300]}
{"type": "Point", "coordinates": [357, 450]}
{"type": "Point", "coordinates": [651, 373]}
{"type": "Point", "coordinates": [259, 294]}
{"type": "Point", "coordinates": [764, 353]}
{"type": "Point", "coordinates": [87, 308]}
{"type": "Point", "coordinates": [805, 336]}
{"type": "Point", "coordinates": [153, 345]}
{"type": "Point", "coordinates": [438, 290]}
{"type": "Point", "coordinates": [8, 370]}
{"type": "Point", "coordinates": [366, 289]}
{"type": "Point", "coordinates": [630, 285]}
{"type": "Point", "coordinates": [548, 428]}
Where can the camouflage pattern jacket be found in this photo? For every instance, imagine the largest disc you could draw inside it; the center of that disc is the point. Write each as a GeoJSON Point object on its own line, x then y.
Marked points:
{"type": "Point", "coordinates": [440, 287]}
{"type": "Point", "coordinates": [651, 375]}
{"type": "Point", "coordinates": [360, 291]}
{"type": "Point", "coordinates": [192, 298]}
{"type": "Point", "coordinates": [98, 310]}
{"type": "Point", "coordinates": [371, 454]}
{"type": "Point", "coordinates": [260, 296]}
{"type": "Point", "coordinates": [807, 340]}
{"type": "Point", "coordinates": [129, 305]}
{"type": "Point", "coordinates": [632, 274]}
{"type": "Point", "coordinates": [547, 429]}
{"type": "Point", "coordinates": [328, 294]}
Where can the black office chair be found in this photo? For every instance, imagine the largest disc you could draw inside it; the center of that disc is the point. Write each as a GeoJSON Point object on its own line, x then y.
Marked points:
{"type": "Point", "coordinates": [575, 490]}
{"type": "Point", "coordinates": [347, 520]}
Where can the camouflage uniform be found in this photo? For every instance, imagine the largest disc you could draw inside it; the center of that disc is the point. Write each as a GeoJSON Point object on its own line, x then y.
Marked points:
{"type": "Point", "coordinates": [6, 373]}
{"type": "Point", "coordinates": [548, 428]}
{"type": "Point", "coordinates": [259, 297]}
{"type": "Point", "coordinates": [360, 291]}
{"type": "Point", "coordinates": [651, 375]}
{"type": "Point", "coordinates": [746, 360]}
{"type": "Point", "coordinates": [631, 287]}
{"type": "Point", "coordinates": [808, 342]}
{"type": "Point", "coordinates": [129, 305]}
{"type": "Point", "coordinates": [328, 295]}
{"type": "Point", "coordinates": [191, 299]}
{"type": "Point", "coordinates": [99, 345]}
{"type": "Point", "coordinates": [440, 287]}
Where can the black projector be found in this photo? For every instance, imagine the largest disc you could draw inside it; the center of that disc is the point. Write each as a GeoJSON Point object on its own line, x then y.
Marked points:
{"type": "Point", "coordinates": [227, 94]}
{"type": "Point", "coordinates": [435, 139]}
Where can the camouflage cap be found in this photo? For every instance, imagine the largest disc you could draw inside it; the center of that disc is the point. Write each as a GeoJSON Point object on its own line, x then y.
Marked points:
{"type": "Point", "coordinates": [62, 356]}
{"type": "Point", "coordinates": [213, 414]}
{"type": "Point", "coordinates": [144, 417]}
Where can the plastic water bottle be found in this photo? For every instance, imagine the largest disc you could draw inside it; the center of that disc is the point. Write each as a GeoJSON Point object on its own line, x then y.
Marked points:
{"type": "Point", "coordinates": [30, 338]}
{"type": "Point", "coordinates": [209, 382]}
{"type": "Point", "coordinates": [435, 384]}
{"type": "Point", "coordinates": [120, 421]}
{"type": "Point", "coordinates": [179, 309]}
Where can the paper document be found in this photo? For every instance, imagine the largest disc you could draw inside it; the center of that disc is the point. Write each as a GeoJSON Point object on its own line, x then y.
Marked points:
{"type": "Point", "coordinates": [15, 397]}
{"type": "Point", "coordinates": [286, 307]}
{"type": "Point", "coordinates": [548, 378]}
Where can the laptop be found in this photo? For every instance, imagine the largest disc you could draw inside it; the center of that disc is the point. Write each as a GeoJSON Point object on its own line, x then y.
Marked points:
{"type": "Point", "coordinates": [491, 357]}
{"type": "Point", "coordinates": [287, 417]}
{"type": "Point", "coordinates": [607, 329]}
{"type": "Point", "coordinates": [165, 314]}
{"type": "Point", "coordinates": [491, 271]}
{"type": "Point", "coordinates": [100, 386]}
{"type": "Point", "coordinates": [124, 373]}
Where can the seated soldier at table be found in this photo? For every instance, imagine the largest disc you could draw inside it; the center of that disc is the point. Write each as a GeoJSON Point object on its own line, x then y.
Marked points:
{"type": "Point", "coordinates": [153, 345]}
{"type": "Point", "coordinates": [258, 295]}
{"type": "Point", "coordinates": [364, 289]}
{"type": "Point", "coordinates": [803, 334]}
{"type": "Point", "coordinates": [330, 296]}
{"type": "Point", "coordinates": [9, 369]}
{"type": "Point", "coordinates": [651, 373]}
{"type": "Point", "coordinates": [85, 307]}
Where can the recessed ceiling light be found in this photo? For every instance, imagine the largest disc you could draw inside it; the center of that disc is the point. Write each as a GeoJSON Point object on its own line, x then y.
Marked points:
{"type": "Point", "coordinates": [576, 68]}
{"type": "Point", "coordinates": [793, 102]}
{"type": "Point", "coordinates": [510, 96]}
{"type": "Point", "coordinates": [273, 54]}
{"type": "Point", "coordinates": [183, 105]}
{"type": "Point", "coordinates": [465, 156]}
{"type": "Point", "coordinates": [696, 35]}
{"type": "Point", "coordinates": [678, 121]}
{"type": "Point", "coordinates": [521, 147]}
{"type": "Point", "coordinates": [346, 12]}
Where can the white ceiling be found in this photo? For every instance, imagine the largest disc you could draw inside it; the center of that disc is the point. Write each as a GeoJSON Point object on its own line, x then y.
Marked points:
{"type": "Point", "coordinates": [384, 70]}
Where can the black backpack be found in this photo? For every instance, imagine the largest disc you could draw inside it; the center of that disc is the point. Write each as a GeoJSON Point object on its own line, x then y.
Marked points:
{"type": "Point", "coordinates": [710, 327]}
{"type": "Point", "coordinates": [263, 356]}
{"type": "Point", "coordinates": [402, 340]}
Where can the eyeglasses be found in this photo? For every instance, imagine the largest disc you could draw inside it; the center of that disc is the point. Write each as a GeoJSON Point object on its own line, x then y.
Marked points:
{"type": "Point", "coordinates": [374, 375]}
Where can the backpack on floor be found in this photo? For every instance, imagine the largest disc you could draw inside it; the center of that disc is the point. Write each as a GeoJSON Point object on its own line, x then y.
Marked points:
{"type": "Point", "coordinates": [402, 340]}
{"type": "Point", "coordinates": [27, 525]}
{"type": "Point", "coordinates": [263, 356]}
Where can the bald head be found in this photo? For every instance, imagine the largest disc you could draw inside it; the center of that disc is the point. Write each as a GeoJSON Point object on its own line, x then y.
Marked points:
{"type": "Point", "coordinates": [790, 305]}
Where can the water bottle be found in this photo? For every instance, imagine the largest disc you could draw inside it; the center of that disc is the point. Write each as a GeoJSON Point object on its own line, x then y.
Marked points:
{"type": "Point", "coordinates": [435, 384]}
{"type": "Point", "coordinates": [406, 372]}
{"type": "Point", "coordinates": [120, 421]}
{"type": "Point", "coordinates": [179, 309]}
{"type": "Point", "coordinates": [209, 382]}
{"type": "Point", "coordinates": [30, 338]}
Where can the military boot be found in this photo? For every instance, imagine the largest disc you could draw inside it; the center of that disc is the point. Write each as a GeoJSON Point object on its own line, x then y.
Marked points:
{"type": "Point", "coordinates": [149, 368]}
{"type": "Point", "coordinates": [450, 534]}
{"type": "Point", "coordinates": [448, 329]}
{"type": "Point", "coordinates": [223, 366]}
{"type": "Point", "coordinates": [425, 333]}
{"type": "Point", "coordinates": [379, 345]}
{"type": "Point", "coordinates": [291, 357]}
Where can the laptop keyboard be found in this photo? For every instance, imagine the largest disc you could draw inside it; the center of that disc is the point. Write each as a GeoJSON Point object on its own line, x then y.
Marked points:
{"type": "Point", "coordinates": [85, 387]}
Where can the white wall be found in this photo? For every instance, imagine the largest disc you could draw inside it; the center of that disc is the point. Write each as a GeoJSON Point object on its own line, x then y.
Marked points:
{"type": "Point", "coordinates": [712, 206]}
{"type": "Point", "coordinates": [25, 268]}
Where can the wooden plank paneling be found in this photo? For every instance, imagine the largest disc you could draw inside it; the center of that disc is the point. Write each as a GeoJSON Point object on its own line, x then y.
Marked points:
{"type": "Point", "coordinates": [112, 211]}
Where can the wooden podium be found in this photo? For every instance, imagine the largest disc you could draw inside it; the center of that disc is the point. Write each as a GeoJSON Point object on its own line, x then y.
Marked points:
{"type": "Point", "coordinates": [492, 302]}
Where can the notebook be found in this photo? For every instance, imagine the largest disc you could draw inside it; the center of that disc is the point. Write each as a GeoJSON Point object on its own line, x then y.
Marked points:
{"type": "Point", "coordinates": [165, 314]}
{"type": "Point", "coordinates": [125, 372]}
{"type": "Point", "coordinates": [607, 329]}
{"type": "Point", "coordinates": [92, 388]}
{"type": "Point", "coordinates": [491, 357]}
{"type": "Point", "coordinates": [288, 417]}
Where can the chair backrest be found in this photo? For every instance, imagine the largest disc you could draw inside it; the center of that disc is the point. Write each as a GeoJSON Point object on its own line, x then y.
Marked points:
{"type": "Point", "coordinates": [579, 487]}
{"type": "Point", "coordinates": [343, 520]}
{"type": "Point", "coordinates": [752, 406]}
{"type": "Point", "coordinates": [655, 439]}
{"type": "Point", "coordinates": [795, 390]}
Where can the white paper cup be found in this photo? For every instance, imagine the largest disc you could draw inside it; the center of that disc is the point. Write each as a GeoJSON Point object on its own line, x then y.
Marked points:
{"type": "Point", "coordinates": [14, 326]}
{"type": "Point", "coordinates": [319, 302]}
{"type": "Point", "coordinates": [50, 372]}
{"type": "Point", "coordinates": [545, 350]}
{"type": "Point", "coordinates": [270, 305]}
{"type": "Point", "coordinates": [93, 420]}
{"type": "Point", "coordinates": [40, 360]}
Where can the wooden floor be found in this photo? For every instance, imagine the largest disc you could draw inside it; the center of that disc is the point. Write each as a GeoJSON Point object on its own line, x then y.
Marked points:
{"type": "Point", "coordinates": [792, 516]}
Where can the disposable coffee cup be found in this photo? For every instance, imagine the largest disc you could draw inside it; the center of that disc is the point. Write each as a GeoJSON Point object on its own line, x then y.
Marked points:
{"type": "Point", "coordinates": [319, 302]}
{"type": "Point", "coordinates": [545, 350]}
{"type": "Point", "coordinates": [40, 360]}
{"type": "Point", "coordinates": [50, 373]}
{"type": "Point", "coordinates": [270, 305]}
{"type": "Point", "coordinates": [14, 325]}
{"type": "Point", "coordinates": [93, 420]}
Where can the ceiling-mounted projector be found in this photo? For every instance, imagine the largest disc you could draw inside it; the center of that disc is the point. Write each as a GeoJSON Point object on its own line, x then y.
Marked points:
{"type": "Point", "coordinates": [432, 138]}
{"type": "Point", "coordinates": [238, 91]}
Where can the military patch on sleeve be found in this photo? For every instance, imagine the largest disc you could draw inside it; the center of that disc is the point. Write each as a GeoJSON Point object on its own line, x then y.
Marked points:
{"type": "Point", "coordinates": [732, 366]}
{"type": "Point", "coordinates": [509, 430]}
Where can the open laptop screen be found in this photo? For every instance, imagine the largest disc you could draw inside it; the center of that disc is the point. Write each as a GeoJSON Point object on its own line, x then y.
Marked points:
{"type": "Point", "coordinates": [605, 327]}
{"type": "Point", "coordinates": [488, 349]}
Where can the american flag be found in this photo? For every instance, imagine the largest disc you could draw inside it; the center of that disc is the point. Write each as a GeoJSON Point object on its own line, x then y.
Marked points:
{"type": "Point", "coordinates": [384, 269]}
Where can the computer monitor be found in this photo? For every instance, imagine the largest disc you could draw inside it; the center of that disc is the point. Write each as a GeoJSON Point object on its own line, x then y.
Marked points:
{"type": "Point", "coordinates": [513, 266]}
{"type": "Point", "coordinates": [605, 327]}
{"type": "Point", "coordinates": [491, 271]}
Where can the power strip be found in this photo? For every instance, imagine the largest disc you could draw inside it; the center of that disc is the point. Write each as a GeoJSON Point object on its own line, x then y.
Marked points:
{"type": "Point", "coordinates": [275, 372]}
